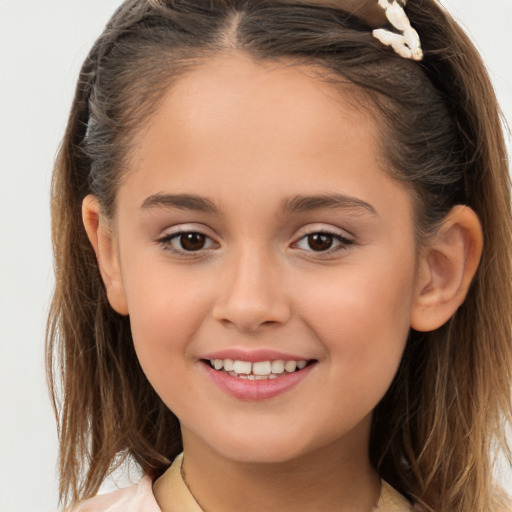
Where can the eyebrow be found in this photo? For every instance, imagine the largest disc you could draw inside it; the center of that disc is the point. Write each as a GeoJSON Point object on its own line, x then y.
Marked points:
{"type": "Point", "coordinates": [303, 203]}
{"type": "Point", "coordinates": [180, 201]}
{"type": "Point", "coordinates": [295, 204]}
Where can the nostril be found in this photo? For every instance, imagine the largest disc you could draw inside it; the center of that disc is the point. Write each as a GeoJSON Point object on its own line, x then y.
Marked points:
{"type": "Point", "coordinates": [270, 322]}
{"type": "Point", "coordinates": [252, 318]}
{"type": "Point", "coordinates": [248, 323]}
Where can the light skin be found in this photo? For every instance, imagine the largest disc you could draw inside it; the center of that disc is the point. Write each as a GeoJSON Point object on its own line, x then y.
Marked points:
{"type": "Point", "coordinates": [257, 158]}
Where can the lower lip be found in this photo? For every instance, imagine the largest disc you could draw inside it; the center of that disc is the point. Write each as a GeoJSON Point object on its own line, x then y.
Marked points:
{"type": "Point", "coordinates": [245, 389]}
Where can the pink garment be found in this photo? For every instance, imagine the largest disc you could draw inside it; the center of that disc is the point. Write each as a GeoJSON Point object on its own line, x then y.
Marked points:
{"type": "Point", "coordinates": [136, 498]}
{"type": "Point", "coordinates": [140, 497]}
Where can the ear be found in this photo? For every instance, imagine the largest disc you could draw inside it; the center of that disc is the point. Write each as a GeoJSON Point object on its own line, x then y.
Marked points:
{"type": "Point", "coordinates": [104, 245]}
{"type": "Point", "coordinates": [447, 266]}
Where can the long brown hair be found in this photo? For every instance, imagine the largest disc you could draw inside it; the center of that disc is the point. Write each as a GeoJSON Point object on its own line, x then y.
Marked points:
{"type": "Point", "coordinates": [445, 415]}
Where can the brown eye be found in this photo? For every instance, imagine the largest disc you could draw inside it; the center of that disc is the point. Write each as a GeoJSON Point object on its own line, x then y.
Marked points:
{"type": "Point", "coordinates": [186, 242]}
{"type": "Point", "coordinates": [192, 241]}
{"type": "Point", "coordinates": [320, 241]}
{"type": "Point", "coordinates": [323, 242]}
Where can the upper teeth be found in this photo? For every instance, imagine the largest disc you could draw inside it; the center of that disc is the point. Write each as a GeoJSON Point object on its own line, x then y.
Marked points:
{"type": "Point", "coordinates": [261, 368]}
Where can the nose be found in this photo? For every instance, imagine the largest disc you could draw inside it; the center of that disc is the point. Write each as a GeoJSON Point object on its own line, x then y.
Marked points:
{"type": "Point", "coordinates": [251, 297]}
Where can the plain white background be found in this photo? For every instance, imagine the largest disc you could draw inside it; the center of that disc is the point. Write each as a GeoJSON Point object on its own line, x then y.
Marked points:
{"type": "Point", "coordinates": [42, 45]}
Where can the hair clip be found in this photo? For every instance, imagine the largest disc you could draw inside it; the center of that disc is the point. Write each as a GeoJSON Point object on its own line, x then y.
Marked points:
{"type": "Point", "coordinates": [405, 42]}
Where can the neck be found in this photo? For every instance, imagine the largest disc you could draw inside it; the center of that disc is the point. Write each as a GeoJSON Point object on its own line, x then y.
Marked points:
{"type": "Point", "coordinates": [334, 478]}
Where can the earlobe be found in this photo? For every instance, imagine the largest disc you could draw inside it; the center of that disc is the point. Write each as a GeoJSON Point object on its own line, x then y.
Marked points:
{"type": "Point", "coordinates": [103, 243]}
{"type": "Point", "coordinates": [447, 267]}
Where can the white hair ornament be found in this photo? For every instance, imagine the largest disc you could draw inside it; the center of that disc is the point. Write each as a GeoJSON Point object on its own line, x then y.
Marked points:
{"type": "Point", "coordinates": [405, 42]}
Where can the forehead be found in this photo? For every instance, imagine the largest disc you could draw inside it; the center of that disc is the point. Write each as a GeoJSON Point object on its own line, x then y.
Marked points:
{"type": "Point", "coordinates": [233, 106]}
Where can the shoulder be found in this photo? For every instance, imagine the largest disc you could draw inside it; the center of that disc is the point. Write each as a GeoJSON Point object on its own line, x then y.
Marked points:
{"type": "Point", "coordinates": [136, 498]}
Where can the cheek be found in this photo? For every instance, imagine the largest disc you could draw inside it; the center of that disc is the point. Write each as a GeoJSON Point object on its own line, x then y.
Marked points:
{"type": "Point", "coordinates": [363, 320]}
{"type": "Point", "coordinates": [166, 310]}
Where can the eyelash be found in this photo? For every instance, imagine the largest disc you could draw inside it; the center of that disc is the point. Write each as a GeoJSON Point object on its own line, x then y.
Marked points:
{"type": "Point", "coordinates": [343, 242]}
{"type": "Point", "coordinates": [167, 240]}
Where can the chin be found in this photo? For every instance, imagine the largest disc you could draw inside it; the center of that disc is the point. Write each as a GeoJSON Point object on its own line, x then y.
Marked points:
{"type": "Point", "coordinates": [261, 447]}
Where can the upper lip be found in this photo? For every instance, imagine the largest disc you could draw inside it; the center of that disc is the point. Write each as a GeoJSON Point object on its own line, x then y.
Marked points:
{"type": "Point", "coordinates": [253, 356]}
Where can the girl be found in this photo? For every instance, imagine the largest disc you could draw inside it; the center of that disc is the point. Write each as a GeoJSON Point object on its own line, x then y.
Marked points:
{"type": "Point", "coordinates": [283, 237]}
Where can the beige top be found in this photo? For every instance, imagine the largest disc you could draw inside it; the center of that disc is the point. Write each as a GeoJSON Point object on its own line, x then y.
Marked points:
{"type": "Point", "coordinates": [140, 497]}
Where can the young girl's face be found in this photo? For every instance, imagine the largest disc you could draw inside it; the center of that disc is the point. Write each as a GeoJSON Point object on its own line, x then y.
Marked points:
{"type": "Point", "coordinates": [257, 224]}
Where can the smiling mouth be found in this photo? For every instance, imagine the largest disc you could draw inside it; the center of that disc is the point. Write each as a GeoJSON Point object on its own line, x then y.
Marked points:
{"type": "Point", "coordinates": [261, 370]}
